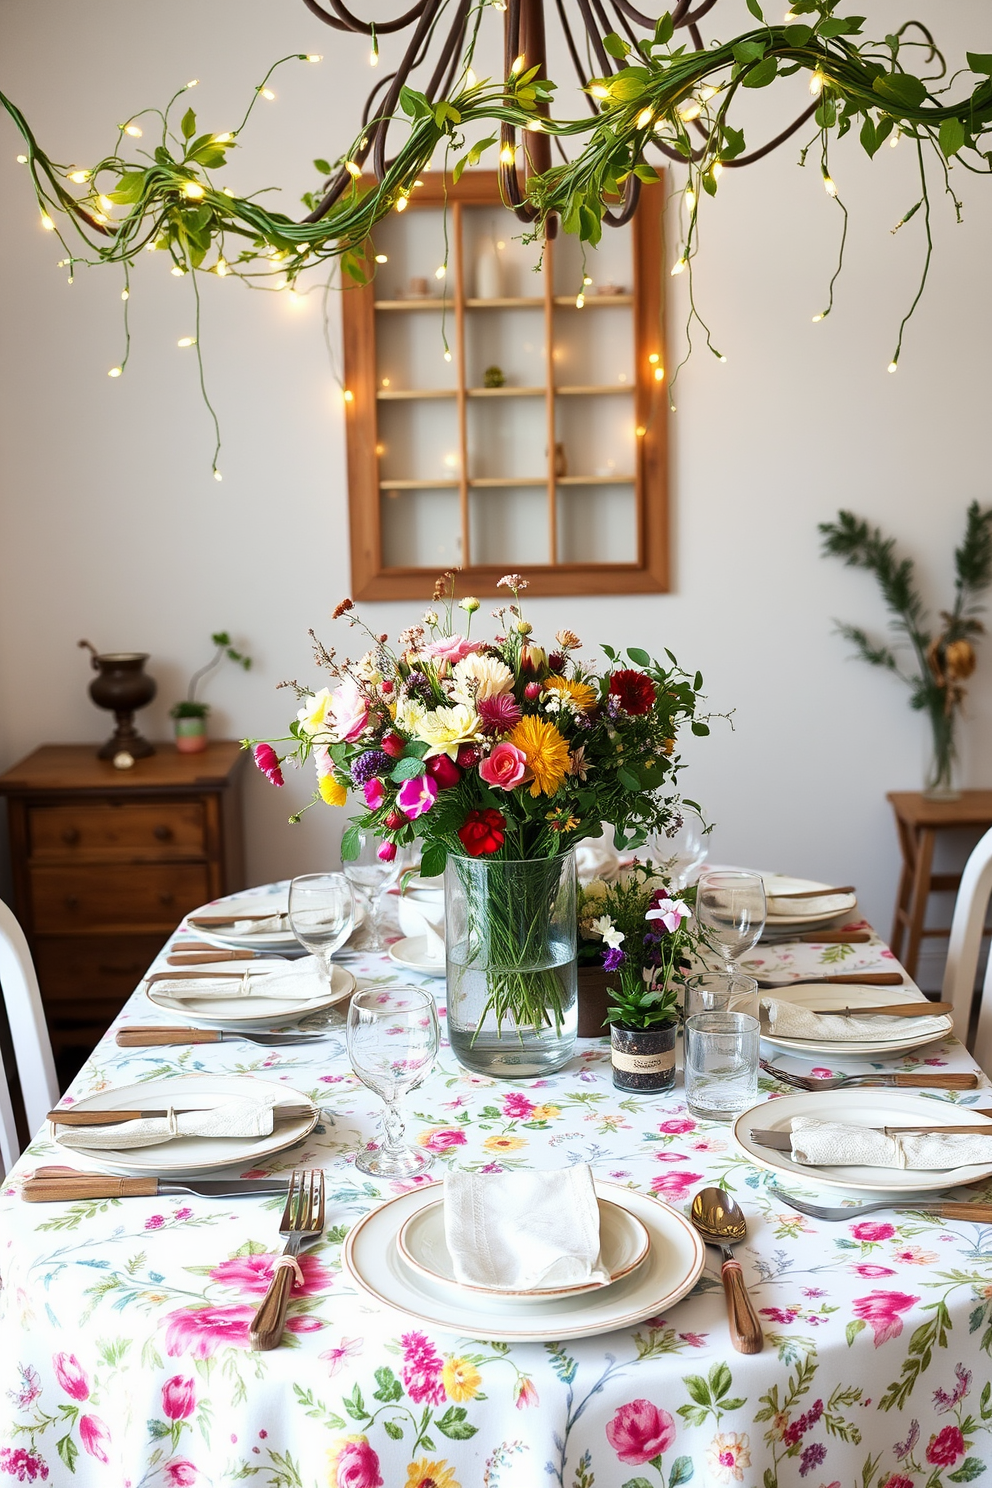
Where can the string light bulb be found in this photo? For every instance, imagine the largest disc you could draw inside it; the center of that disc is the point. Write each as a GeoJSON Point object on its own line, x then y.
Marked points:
{"type": "Point", "coordinates": [374, 57]}
{"type": "Point", "coordinates": [690, 111]}
{"type": "Point", "coordinates": [829, 186]}
{"type": "Point", "coordinates": [587, 279]}
{"type": "Point", "coordinates": [679, 266]}
{"type": "Point", "coordinates": [125, 294]}
{"type": "Point", "coordinates": [315, 56]}
{"type": "Point", "coordinates": [447, 355]}
{"type": "Point", "coordinates": [440, 273]}
{"type": "Point", "coordinates": [659, 372]}
{"type": "Point", "coordinates": [705, 94]}
{"type": "Point", "coordinates": [507, 155]}
{"type": "Point", "coordinates": [895, 139]}
{"type": "Point", "coordinates": [716, 170]}
{"type": "Point", "coordinates": [536, 126]}
{"type": "Point", "coordinates": [223, 139]}
{"type": "Point", "coordinates": [133, 130]}
{"type": "Point", "coordinates": [644, 118]}
{"type": "Point", "coordinates": [47, 222]}
{"type": "Point", "coordinates": [348, 395]}
{"type": "Point", "coordinates": [115, 371]}
{"type": "Point", "coordinates": [580, 300]}
{"type": "Point", "coordinates": [382, 258]}
{"type": "Point", "coordinates": [186, 341]}
{"type": "Point", "coordinates": [598, 91]}
{"type": "Point", "coordinates": [654, 359]}
{"type": "Point", "coordinates": [77, 177]}
{"type": "Point", "coordinates": [690, 199]}
{"type": "Point", "coordinates": [193, 190]}
{"type": "Point", "coordinates": [518, 65]}
{"type": "Point", "coordinates": [22, 159]}
{"type": "Point", "coordinates": [267, 93]}
{"type": "Point", "coordinates": [193, 83]}
{"type": "Point", "coordinates": [471, 80]}
{"type": "Point", "coordinates": [354, 170]}
{"type": "Point", "coordinates": [217, 474]}
{"type": "Point", "coordinates": [816, 82]}
{"type": "Point", "coordinates": [893, 366]}
{"type": "Point", "coordinates": [220, 268]}
{"type": "Point", "coordinates": [177, 271]}
{"type": "Point", "coordinates": [640, 431]}
{"type": "Point", "coordinates": [818, 317]}
{"type": "Point", "coordinates": [106, 203]}
{"type": "Point", "coordinates": [401, 204]}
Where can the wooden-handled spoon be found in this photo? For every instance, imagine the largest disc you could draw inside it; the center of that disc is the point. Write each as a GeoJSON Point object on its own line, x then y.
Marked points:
{"type": "Point", "coordinates": [719, 1219]}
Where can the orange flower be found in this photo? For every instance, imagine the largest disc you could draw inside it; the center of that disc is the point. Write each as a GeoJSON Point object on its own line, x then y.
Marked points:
{"type": "Point", "coordinates": [546, 752]}
{"type": "Point", "coordinates": [581, 694]}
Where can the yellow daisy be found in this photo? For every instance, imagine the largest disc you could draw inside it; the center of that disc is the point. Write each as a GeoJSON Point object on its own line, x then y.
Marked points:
{"type": "Point", "coordinates": [503, 1144]}
{"type": "Point", "coordinates": [461, 1380]}
{"type": "Point", "coordinates": [581, 694]}
{"type": "Point", "coordinates": [545, 1113]}
{"type": "Point", "coordinates": [425, 1474]}
{"type": "Point", "coordinates": [546, 753]}
{"type": "Point", "coordinates": [332, 791]}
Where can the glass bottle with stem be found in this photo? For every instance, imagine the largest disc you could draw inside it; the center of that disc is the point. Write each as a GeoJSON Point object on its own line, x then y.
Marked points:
{"type": "Point", "coordinates": [322, 914]}
{"type": "Point", "coordinates": [371, 876]}
{"type": "Point", "coordinates": [730, 905]}
{"type": "Point", "coordinates": [392, 1044]}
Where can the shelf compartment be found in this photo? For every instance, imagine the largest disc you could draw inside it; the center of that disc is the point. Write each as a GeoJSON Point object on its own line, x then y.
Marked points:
{"type": "Point", "coordinates": [566, 302]}
{"type": "Point", "coordinates": [418, 441]}
{"type": "Point", "coordinates": [408, 394]}
{"type": "Point", "coordinates": [420, 524]}
{"type": "Point", "coordinates": [498, 481]}
{"type": "Point", "coordinates": [508, 523]}
{"type": "Point", "coordinates": [594, 390]}
{"type": "Point", "coordinates": [512, 302]}
{"type": "Point", "coordinates": [427, 303]}
{"type": "Point", "coordinates": [507, 437]}
{"type": "Point", "coordinates": [596, 520]}
{"type": "Point", "coordinates": [505, 392]}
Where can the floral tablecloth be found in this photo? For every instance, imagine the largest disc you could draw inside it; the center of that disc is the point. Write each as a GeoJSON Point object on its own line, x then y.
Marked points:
{"type": "Point", "coordinates": [124, 1357]}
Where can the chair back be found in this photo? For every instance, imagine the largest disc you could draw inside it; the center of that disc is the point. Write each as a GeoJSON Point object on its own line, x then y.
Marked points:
{"type": "Point", "coordinates": [964, 947]}
{"type": "Point", "coordinates": [28, 1032]}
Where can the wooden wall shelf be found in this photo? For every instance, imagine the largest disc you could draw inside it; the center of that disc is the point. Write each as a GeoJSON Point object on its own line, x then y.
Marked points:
{"type": "Point", "coordinates": [478, 470]}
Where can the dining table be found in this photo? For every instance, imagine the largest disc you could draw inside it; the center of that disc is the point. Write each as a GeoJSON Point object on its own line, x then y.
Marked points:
{"type": "Point", "coordinates": [126, 1358]}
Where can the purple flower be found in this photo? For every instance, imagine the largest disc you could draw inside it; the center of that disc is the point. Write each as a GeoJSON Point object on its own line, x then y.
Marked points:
{"type": "Point", "coordinates": [372, 762]}
{"type": "Point", "coordinates": [812, 1457]}
{"type": "Point", "coordinates": [904, 1449]}
{"type": "Point", "coordinates": [612, 957]}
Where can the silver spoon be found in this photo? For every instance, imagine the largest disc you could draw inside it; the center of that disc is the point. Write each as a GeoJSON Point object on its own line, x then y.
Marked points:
{"type": "Point", "coordinates": [719, 1219]}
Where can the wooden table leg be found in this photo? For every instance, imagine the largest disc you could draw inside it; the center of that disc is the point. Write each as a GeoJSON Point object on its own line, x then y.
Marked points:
{"type": "Point", "coordinates": [907, 847]}
{"type": "Point", "coordinates": [926, 838]}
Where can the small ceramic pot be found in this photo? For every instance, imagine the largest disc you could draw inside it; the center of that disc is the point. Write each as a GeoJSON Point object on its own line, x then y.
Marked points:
{"type": "Point", "coordinates": [191, 735]}
{"type": "Point", "coordinates": [643, 1058]}
{"type": "Point", "coordinates": [595, 988]}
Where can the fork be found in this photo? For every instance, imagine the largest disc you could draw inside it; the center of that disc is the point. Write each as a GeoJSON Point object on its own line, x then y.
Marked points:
{"type": "Point", "coordinates": [942, 1208]}
{"type": "Point", "coordinates": [302, 1222]}
{"type": "Point", "coordinates": [905, 1079]}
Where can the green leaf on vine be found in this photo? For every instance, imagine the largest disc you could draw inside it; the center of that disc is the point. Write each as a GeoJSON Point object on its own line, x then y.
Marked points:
{"type": "Point", "coordinates": [665, 29]}
{"type": "Point", "coordinates": [761, 75]}
{"type": "Point", "coordinates": [970, 1468]}
{"type": "Point", "coordinates": [682, 1468]}
{"type": "Point", "coordinates": [407, 769]}
{"type": "Point", "coordinates": [615, 45]}
{"type": "Point", "coordinates": [755, 10]}
{"type": "Point", "coordinates": [951, 137]}
{"type": "Point", "coordinates": [414, 103]}
{"type": "Point", "coordinates": [435, 856]}
{"type": "Point", "coordinates": [188, 125]}
{"type": "Point", "coordinates": [900, 88]}
{"type": "Point", "coordinates": [129, 188]}
{"type": "Point", "coordinates": [980, 62]}
{"type": "Point", "coordinates": [350, 844]}
{"type": "Point", "coordinates": [853, 1329]}
{"type": "Point", "coordinates": [748, 51]}
{"type": "Point", "coordinates": [323, 166]}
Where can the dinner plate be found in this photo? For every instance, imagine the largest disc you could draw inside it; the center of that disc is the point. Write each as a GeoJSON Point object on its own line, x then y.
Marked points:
{"type": "Point", "coordinates": [276, 902]}
{"type": "Point", "coordinates": [624, 1243]}
{"type": "Point", "coordinates": [869, 1107]}
{"type": "Point", "coordinates": [411, 953]}
{"type": "Point", "coordinates": [851, 995]}
{"type": "Point", "coordinates": [194, 1157]}
{"type": "Point", "coordinates": [796, 912]}
{"type": "Point", "coordinates": [256, 1011]}
{"type": "Point", "coordinates": [372, 1259]}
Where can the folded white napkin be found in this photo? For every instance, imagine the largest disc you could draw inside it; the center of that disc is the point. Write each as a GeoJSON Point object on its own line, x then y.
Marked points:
{"type": "Point", "coordinates": [596, 857]}
{"type": "Point", "coordinates": [830, 1143]}
{"type": "Point", "coordinates": [790, 1021]}
{"type": "Point", "coordinates": [243, 1118]}
{"type": "Point", "coordinates": [428, 916]}
{"type": "Point", "coordinates": [267, 926]}
{"type": "Point", "coordinates": [523, 1231]}
{"type": "Point", "coordinates": [277, 920]}
{"type": "Point", "coordinates": [294, 981]}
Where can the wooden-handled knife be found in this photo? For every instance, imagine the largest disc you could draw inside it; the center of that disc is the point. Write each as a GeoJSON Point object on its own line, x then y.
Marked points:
{"type": "Point", "coordinates": [898, 1010]}
{"type": "Point", "coordinates": [73, 1117]}
{"type": "Point", "coordinates": [865, 979]}
{"type": "Point", "coordinates": [57, 1184]}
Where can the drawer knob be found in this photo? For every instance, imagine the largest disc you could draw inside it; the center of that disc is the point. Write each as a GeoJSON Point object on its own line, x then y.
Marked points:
{"type": "Point", "coordinates": [162, 833]}
{"type": "Point", "coordinates": [166, 898]}
{"type": "Point", "coordinates": [71, 836]}
{"type": "Point", "coordinates": [71, 902]}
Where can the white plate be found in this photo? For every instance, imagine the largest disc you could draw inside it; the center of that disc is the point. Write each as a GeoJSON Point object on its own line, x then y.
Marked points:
{"type": "Point", "coordinates": [194, 1157]}
{"type": "Point", "coordinates": [251, 940]}
{"type": "Point", "coordinates": [851, 996]}
{"type": "Point", "coordinates": [804, 911]}
{"type": "Point", "coordinates": [859, 1108]}
{"type": "Point", "coordinates": [411, 953]}
{"type": "Point", "coordinates": [372, 1260]}
{"type": "Point", "coordinates": [257, 1011]}
{"type": "Point", "coordinates": [624, 1243]}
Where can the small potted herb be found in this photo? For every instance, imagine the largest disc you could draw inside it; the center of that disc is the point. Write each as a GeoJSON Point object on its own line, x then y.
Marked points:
{"type": "Point", "coordinates": [190, 715]}
{"type": "Point", "coordinates": [648, 936]}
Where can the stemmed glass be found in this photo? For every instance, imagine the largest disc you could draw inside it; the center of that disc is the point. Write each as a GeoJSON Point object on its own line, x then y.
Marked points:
{"type": "Point", "coordinates": [322, 914]}
{"type": "Point", "coordinates": [683, 852]}
{"type": "Point", "coordinates": [370, 877]}
{"type": "Point", "coordinates": [392, 1044]}
{"type": "Point", "coordinates": [731, 906]}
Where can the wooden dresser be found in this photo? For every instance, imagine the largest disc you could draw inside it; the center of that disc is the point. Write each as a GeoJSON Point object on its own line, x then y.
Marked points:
{"type": "Point", "coordinates": [105, 863]}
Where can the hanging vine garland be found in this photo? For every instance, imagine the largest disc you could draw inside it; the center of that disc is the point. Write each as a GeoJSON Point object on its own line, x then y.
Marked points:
{"type": "Point", "coordinates": [654, 95]}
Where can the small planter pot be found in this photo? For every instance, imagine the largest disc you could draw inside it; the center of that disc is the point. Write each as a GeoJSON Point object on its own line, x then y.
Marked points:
{"type": "Point", "coordinates": [191, 735]}
{"type": "Point", "coordinates": [643, 1058]}
{"type": "Point", "coordinates": [595, 989]}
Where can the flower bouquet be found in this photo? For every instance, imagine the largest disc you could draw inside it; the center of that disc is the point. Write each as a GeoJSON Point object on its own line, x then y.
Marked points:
{"type": "Point", "coordinates": [496, 757]}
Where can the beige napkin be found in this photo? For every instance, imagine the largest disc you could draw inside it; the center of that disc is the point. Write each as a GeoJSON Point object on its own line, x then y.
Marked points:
{"type": "Point", "coordinates": [832, 1143]}
{"type": "Point", "coordinates": [267, 926]}
{"type": "Point", "coordinates": [523, 1231]}
{"type": "Point", "coordinates": [277, 920]}
{"type": "Point", "coordinates": [243, 1118]}
{"type": "Point", "coordinates": [295, 981]}
{"type": "Point", "coordinates": [430, 919]}
{"type": "Point", "coordinates": [787, 1020]}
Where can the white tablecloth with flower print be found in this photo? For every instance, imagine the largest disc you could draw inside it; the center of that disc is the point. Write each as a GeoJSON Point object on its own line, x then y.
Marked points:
{"type": "Point", "coordinates": [124, 1356]}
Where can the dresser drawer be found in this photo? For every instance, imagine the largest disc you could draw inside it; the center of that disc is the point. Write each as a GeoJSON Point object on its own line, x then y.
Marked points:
{"type": "Point", "coordinates": [108, 830]}
{"type": "Point", "coordinates": [87, 975]}
{"type": "Point", "coordinates": [112, 896]}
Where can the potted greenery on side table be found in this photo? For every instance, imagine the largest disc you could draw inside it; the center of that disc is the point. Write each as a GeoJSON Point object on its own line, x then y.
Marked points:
{"type": "Point", "coordinates": [190, 715]}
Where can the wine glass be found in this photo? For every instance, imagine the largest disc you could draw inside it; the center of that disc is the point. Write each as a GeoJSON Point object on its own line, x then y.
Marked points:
{"type": "Point", "coordinates": [680, 854]}
{"type": "Point", "coordinates": [731, 906]}
{"type": "Point", "coordinates": [322, 914]}
{"type": "Point", "coordinates": [392, 1044]}
{"type": "Point", "coordinates": [370, 877]}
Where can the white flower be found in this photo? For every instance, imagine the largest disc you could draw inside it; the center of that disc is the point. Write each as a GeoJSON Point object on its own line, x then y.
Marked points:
{"type": "Point", "coordinates": [445, 729]}
{"type": "Point", "coordinates": [727, 1455]}
{"type": "Point", "coordinates": [671, 913]}
{"type": "Point", "coordinates": [313, 714]}
{"type": "Point", "coordinates": [480, 677]}
{"type": "Point", "coordinates": [605, 927]}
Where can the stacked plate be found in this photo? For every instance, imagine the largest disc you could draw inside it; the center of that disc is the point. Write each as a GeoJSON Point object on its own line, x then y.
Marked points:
{"type": "Point", "coordinates": [282, 941]}
{"type": "Point", "coordinates": [398, 1255]}
{"type": "Point", "coordinates": [799, 916]}
{"type": "Point", "coordinates": [239, 1012]}
{"type": "Point", "coordinates": [826, 997]}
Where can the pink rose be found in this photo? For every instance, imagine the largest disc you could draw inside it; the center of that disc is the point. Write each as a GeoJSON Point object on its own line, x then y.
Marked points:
{"type": "Point", "coordinates": [674, 1185]}
{"type": "Point", "coordinates": [178, 1398]}
{"type": "Point", "coordinates": [898, 1480]}
{"type": "Point", "coordinates": [871, 1271]}
{"type": "Point", "coordinates": [180, 1473]}
{"type": "Point", "coordinates": [450, 649]}
{"type": "Point", "coordinates": [252, 1274]}
{"type": "Point", "coordinates": [640, 1431]}
{"type": "Point", "coordinates": [200, 1331]}
{"type": "Point", "coordinates": [517, 1106]}
{"type": "Point", "coordinates": [441, 1138]}
{"type": "Point", "coordinates": [268, 762]}
{"type": "Point", "coordinates": [417, 796]}
{"type": "Point", "coordinates": [505, 768]}
{"type": "Point", "coordinates": [422, 1366]}
{"type": "Point", "coordinates": [374, 792]}
{"type": "Point", "coordinates": [676, 1125]}
{"type": "Point", "coordinates": [386, 852]}
{"type": "Point", "coordinates": [95, 1437]}
{"type": "Point", "coordinates": [71, 1376]}
{"type": "Point", "coordinates": [881, 1310]}
{"type": "Point", "coordinates": [349, 711]}
{"type": "Point", "coordinates": [869, 1229]}
{"type": "Point", "coordinates": [356, 1465]}
{"type": "Point", "coordinates": [946, 1447]}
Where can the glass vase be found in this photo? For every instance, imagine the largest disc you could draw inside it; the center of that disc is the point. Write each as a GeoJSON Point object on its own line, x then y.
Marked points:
{"type": "Point", "coordinates": [941, 778]}
{"type": "Point", "coordinates": [510, 933]}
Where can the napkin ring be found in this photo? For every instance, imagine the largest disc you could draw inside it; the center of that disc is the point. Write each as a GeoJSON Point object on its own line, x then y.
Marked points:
{"type": "Point", "coordinates": [288, 1260]}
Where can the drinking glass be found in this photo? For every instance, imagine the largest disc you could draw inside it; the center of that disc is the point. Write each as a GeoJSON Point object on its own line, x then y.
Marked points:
{"type": "Point", "coordinates": [392, 1044]}
{"type": "Point", "coordinates": [721, 1065]}
{"type": "Point", "coordinates": [730, 904]}
{"type": "Point", "coordinates": [716, 992]}
{"type": "Point", "coordinates": [371, 877]}
{"type": "Point", "coordinates": [681, 854]}
{"type": "Point", "coordinates": [322, 914]}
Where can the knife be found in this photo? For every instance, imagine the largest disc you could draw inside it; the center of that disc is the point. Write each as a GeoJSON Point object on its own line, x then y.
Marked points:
{"type": "Point", "coordinates": [781, 1141]}
{"type": "Point", "coordinates": [188, 957]}
{"type": "Point", "coordinates": [207, 921]}
{"type": "Point", "coordinates": [814, 893]}
{"type": "Point", "coordinates": [898, 1010]}
{"type": "Point", "coordinates": [55, 1184]}
{"type": "Point", "coordinates": [135, 1036]}
{"type": "Point", "coordinates": [866, 979]}
{"type": "Point", "coordinates": [72, 1117]}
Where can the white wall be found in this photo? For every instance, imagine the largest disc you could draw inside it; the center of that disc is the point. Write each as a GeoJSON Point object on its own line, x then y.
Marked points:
{"type": "Point", "coordinates": [111, 526]}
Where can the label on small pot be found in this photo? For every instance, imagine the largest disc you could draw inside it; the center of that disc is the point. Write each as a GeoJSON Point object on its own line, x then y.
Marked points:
{"type": "Point", "coordinates": [643, 1064]}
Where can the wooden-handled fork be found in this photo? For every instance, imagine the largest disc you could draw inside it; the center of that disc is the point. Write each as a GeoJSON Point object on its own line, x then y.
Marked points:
{"type": "Point", "coordinates": [302, 1221]}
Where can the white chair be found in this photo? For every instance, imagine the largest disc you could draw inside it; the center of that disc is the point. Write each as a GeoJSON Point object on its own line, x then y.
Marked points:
{"type": "Point", "coordinates": [29, 1034]}
{"type": "Point", "coordinates": [964, 946]}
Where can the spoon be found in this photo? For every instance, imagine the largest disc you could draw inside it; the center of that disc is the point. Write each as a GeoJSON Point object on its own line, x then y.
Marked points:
{"type": "Point", "coordinates": [719, 1219]}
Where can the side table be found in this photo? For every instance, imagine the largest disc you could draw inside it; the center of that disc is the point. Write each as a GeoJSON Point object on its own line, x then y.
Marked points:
{"type": "Point", "coordinates": [104, 863]}
{"type": "Point", "coordinates": [918, 820]}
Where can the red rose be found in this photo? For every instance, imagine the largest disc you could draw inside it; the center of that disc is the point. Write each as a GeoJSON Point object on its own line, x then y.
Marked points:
{"type": "Point", "coordinates": [395, 820]}
{"type": "Point", "coordinates": [640, 1431]}
{"type": "Point", "coordinates": [468, 756]}
{"type": "Point", "coordinates": [443, 771]}
{"type": "Point", "coordinates": [946, 1447]}
{"type": "Point", "coordinates": [392, 745]}
{"type": "Point", "coordinates": [634, 692]}
{"type": "Point", "coordinates": [483, 832]}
